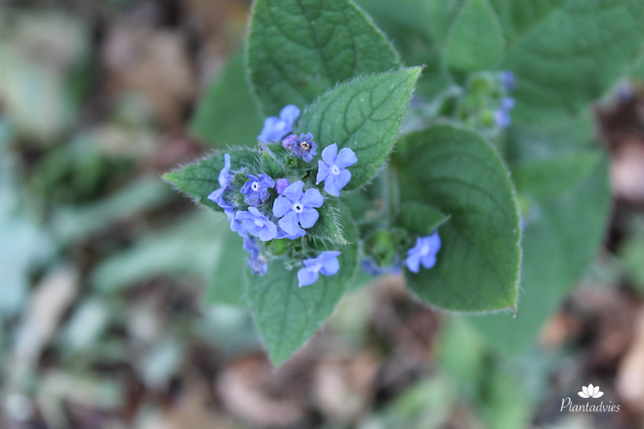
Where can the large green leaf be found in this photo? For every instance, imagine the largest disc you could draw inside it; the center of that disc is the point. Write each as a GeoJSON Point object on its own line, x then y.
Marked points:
{"type": "Point", "coordinates": [568, 54]}
{"type": "Point", "coordinates": [298, 49]}
{"type": "Point", "coordinates": [286, 315]}
{"type": "Point", "coordinates": [406, 23]}
{"type": "Point", "coordinates": [198, 180]}
{"type": "Point", "coordinates": [554, 176]}
{"type": "Point", "coordinates": [460, 173]}
{"type": "Point", "coordinates": [560, 239]}
{"type": "Point", "coordinates": [363, 114]}
{"type": "Point", "coordinates": [562, 233]}
{"type": "Point", "coordinates": [227, 114]}
{"type": "Point", "coordinates": [475, 39]}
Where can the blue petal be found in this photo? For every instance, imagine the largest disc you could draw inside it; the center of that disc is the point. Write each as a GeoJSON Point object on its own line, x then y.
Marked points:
{"type": "Point", "coordinates": [289, 114]}
{"type": "Point", "coordinates": [294, 191]}
{"type": "Point", "coordinates": [330, 267]}
{"type": "Point", "coordinates": [312, 198]}
{"type": "Point", "coordinates": [323, 172]}
{"type": "Point", "coordinates": [329, 153]}
{"type": "Point", "coordinates": [435, 242]}
{"type": "Point", "coordinates": [307, 276]}
{"type": "Point", "coordinates": [413, 262]}
{"type": "Point", "coordinates": [346, 158]}
{"type": "Point", "coordinates": [268, 132]}
{"type": "Point", "coordinates": [281, 206]}
{"type": "Point", "coordinates": [308, 217]}
{"type": "Point", "coordinates": [331, 187]}
{"type": "Point", "coordinates": [268, 232]}
{"type": "Point", "coordinates": [289, 223]}
{"type": "Point", "coordinates": [429, 260]}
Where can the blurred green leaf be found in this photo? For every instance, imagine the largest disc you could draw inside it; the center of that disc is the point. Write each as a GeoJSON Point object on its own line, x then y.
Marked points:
{"type": "Point", "coordinates": [186, 249]}
{"type": "Point", "coordinates": [552, 177]}
{"type": "Point", "coordinates": [297, 51]}
{"type": "Point", "coordinates": [73, 223]}
{"type": "Point", "coordinates": [561, 236]}
{"type": "Point", "coordinates": [421, 218]}
{"type": "Point", "coordinates": [475, 40]}
{"type": "Point", "coordinates": [227, 114]}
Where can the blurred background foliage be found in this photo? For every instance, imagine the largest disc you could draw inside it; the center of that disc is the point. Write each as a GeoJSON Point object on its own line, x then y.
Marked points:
{"type": "Point", "coordinates": [107, 277]}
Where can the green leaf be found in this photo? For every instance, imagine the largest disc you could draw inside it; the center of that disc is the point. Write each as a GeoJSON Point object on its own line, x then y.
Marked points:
{"type": "Point", "coordinates": [227, 114]}
{"type": "Point", "coordinates": [200, 179]}
{"type": "Point", "coordinates": [363, 114]}
{"type": "Point", "coordinates": [328, 227]}
{"type": "Point", "coordinates": [421, 218]}
{"type": "Point", "coordinates": [475, 39]}
{"type": "Point", "coordinates": [560, 239]}
{"type": "Point", "coordinates": [561, 235]}
{"type": "Point", "coordinates": [225, 286]}
{"type": "Point", "coordinates": [565, 54]}
{"type": "Point", "coordinates": [405, 22]}
{"type": "Point", "coordinates": [552, 177]}
{"type": "Point", "coordinates": [298, 49]}
{"type": "Point", "coordinates": [286, 315]}
{"type": "Point", "coordinates": [460, 173]}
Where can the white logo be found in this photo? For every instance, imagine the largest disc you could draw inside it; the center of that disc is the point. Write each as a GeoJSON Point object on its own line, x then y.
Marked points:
{"type": "Point", "coordinates": [590, 391]}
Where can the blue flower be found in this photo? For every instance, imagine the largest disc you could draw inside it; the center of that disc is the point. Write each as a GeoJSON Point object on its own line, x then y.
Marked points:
{"type": "Point", "coordinates": [250, 246]}
{"type": "Point", "coordinates": [275, 128]}
{"type": "Point", "coordinates": [332, 168]}
{"type": "Point", "coordinates": [217, 195]}
{"type": "Point", "coordinates": [257, 262]}
{"type": "Point", "coordinates": [502, 115]}
{"type": "Point", "coordinates": [303, 146]}
{"type": "Point", "coordinates": [256, 224]}
{"type": "Point", "coordinates": [508, 80]}
{"type": "Point", "coordinates": [423, 252]}
{"type": "Point", "coordinates": [282, 234]}
{"type": "Point", "coordinates": [370, 267]}
{"type": "Point", "coordinates": [281, 185]}
{"type": "Point", "coordinates": [297, 208]}
{"type": "Point", "coordinates": [256, 189]}
{"type": "Point", "coordinates": [327, 264]}
{"type": "Point", "coordinates": [235, 224]}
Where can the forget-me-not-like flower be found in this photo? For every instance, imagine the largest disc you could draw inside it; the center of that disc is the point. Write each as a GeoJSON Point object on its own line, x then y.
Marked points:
{"type": "Point", "coordinates": [502, 115]}
{"type": "Point", "coordinates": [508, 80]}
{"type": "Point", "coordinates": [424, 252]}
{"type": "Point", "coordinates": [275, 128]}
{"type": "Point", "coordinates": [332, 169]}
{"type": "Point", "coordinates": [257, 262]}
{"type": "Point", "coordinates": [256, 224]}
{"type": "Point", "coordinates": [327, 264]}
{"type": "Point", "coordinates": [235, 224]}
{"type": "Point", "coordinates": [297, 209]}
{"type": "Point", "coordinates": [217, 195]}
{"type": "Point", "coordinates": [281, 185]}
{"type": "Point", "coordinates": [370, 267]}
{"type": "Point", "coordinates": [256, 189]}
{"type": "Point", "coordinates": [302, 146]}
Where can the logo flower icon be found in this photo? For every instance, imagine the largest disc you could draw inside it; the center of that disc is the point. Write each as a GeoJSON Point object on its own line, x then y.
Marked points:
{"type": "Point", "coordinates": [590, 391]}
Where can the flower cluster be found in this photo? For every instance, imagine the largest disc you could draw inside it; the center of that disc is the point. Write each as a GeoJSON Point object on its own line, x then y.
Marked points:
{"type": "Point", "coordinates": [262, 208]}
{"type": "Point", "coordinates": [502, 114]}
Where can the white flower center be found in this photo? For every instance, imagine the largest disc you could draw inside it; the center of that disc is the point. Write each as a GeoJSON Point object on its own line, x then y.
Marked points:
{"type": "Point", "coordinates": [258, 222]}
{"type": "Point", "coordinates": [425, 250]}
{"type": "Point", "coordinates": [255, 186]}
{"type": "Point", "coordinates": [317, 267]}
{"type": "Point", "coordinates": [335, 170]}
{"type": "Point", "coordinates": [298, 208]}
